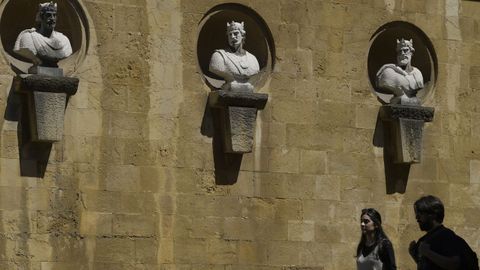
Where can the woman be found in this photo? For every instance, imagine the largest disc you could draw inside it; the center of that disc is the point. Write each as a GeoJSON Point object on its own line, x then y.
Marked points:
{"type": "Point", "coordinates": [375, 251]}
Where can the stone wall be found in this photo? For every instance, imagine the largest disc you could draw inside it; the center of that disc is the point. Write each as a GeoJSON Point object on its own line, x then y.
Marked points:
{"type": "Point", "coordinates": [132, 185]}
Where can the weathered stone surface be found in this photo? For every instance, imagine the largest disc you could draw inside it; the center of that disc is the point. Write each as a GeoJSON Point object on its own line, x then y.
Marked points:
{"type": "Point", "coordinates": [132, 184]}
{"type": "Point", "coordinates": [238, 113]}
{"type": "Point", "coordinates": [388, 112]}
{"type": "Point", "coordinates": [48, 71]}
{"type": "Point", "coordinates": [45, 83]}
{"type": "Point", "coordinates": [222, 98]}
{"type": "Point", "coordinates": [48, 110]}
{"type": "Point", "coordinates": [406, 128]}
{"type": "Point", "coordinates": [240, 129]}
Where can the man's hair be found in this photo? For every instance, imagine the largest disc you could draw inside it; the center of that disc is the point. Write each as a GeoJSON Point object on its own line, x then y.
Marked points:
{"type": "Point", "coordinates": [430, 205]}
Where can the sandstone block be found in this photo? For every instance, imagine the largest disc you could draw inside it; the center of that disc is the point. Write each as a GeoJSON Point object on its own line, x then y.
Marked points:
{"type": "Point", "coordinates": [313, 137]}
{"type": "Point", "coordinates": [320, 211]}
{"type": "Point", "coordinates": [85, 122]}
{"type": "Point", "coordinates": [134, 225]}
{"type": "Point", "coordinates": [130, 19]}
{"type": "Point", "coordinates": [365, 116]}
{"type": "Point", "coordinates": [95, 223]}
{"type": "Point", "coordinates": [11, 198]}
{"type": "Point", "coordinates": [38, 199]}
{"type": "Point", "coordinates": [146, 251]}
{"type": "Point", "coordinates": [327, 187]}
{"type": "Point", "coordinates": [9, 145]}
{"type": "Point", "coordinates": [284, 253]}
{"type": "Point", "coordinates": [220, 251]}
{"type": "Point", "coordinates": [40, 247]}
{"type": "Point", "coordinates": [284, 160]}
{"type": "Point", "coordinates": [239, 229]}
{"type": "Point", "coordinates": [63, 265]}
{"type": "Point", "coordinates": [102, 14]}
{"type": "Point", "coordinates": [207, 227]}
{"type": "Point", "coordinates": [475, 77]}
{"type": "Point", "coordinates": [165, 251]}
{"type": "Point", "coordinates": [289, 209]}
{"type": "Point", "coordinates": [318, 255]}
{"type": "Point", "coordinates": [286, 34]}
{"type": "Point", "coordinates": [122, 178]}
{"type": "Point", "coordinates": [259, 207]}
{"type": "Point", "coordinates": [115, 250]}
{"type": "Point", "coordinates": [475, 171]}
{"type": "Point", "coordinates": [190, 251]}
{"type": "Point", "coordinates": [313, 162]}
{"type": "Point", "coordinates": [126, 125]}
{"type": "Point", "coordinates": [252, 253]}
{"type": "Point", "coordinates": [17, 221]}
{"type": "Point", "coordinates": [301, 230]}
{"type": "Point", "coordinates": [294, 111]}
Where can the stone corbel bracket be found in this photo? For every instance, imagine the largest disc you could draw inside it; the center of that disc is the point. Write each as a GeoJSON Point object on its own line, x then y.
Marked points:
{"type": "Point", "coordinates": [403, 130]}
{"type": "Point", "coordinates": [238, 114]}
{"type": "Point", "coordinates": [47, 98]}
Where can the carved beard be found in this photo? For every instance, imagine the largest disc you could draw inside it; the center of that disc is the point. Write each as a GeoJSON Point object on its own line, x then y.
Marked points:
{"type": "Point", "coordinates": [403, 61]}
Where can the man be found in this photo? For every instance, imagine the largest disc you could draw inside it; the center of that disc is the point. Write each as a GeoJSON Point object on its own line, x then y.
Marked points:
{"type": "Point", "coordinates": [402, 80]}
{"type": "Point", "coordinates": [234, 64]}
{"type": "Point", "coordinates": [440, 248]}
{"type": "Point", "coordinates": [43, 45]}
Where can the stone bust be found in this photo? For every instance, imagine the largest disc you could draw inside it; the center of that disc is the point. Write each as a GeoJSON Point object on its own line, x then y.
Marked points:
{"type": "Point", "coordinates": [402, 80]}
{"type": "Point", "coordinates": [43, 45]}
{"type": "Point", "coordinates": [234, 64]}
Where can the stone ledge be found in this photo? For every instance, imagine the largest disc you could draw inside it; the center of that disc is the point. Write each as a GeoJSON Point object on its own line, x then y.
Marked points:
{"type": "Point", "coordinates": [222, 98]}
{"type": "Point", "coordinates": [391, 112]}
{"type": "Point", "coordinates": [43, 83]}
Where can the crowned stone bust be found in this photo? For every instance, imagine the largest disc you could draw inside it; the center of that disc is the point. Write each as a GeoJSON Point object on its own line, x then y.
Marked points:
{"type": "Point", "coordinates": [42, 44]}
{"type": "Point", "coordinates": [234, 64]}
{"type": "Point", "coordinates": [402, 79]}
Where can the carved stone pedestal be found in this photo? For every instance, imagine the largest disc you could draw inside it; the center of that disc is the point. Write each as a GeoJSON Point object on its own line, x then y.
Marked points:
{"type": "Point", "coordinates": [47, 94]}
{"type": "Point", "coordinates": [403, 130]}
{"type": "Point", "coordinates": [238, 113]}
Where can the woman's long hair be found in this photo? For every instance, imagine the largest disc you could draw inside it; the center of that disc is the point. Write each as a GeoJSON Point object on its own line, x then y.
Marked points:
{"type": "Point", "coordinates": [379, 233]}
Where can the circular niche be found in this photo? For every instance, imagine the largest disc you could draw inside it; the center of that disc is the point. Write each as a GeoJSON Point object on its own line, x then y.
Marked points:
{"type": "Point", "coordinates": [212, 36]}
{"type": "Point", "coordinates": [71, 21]}
{"type": "Point", "coordinates": [383, 51]}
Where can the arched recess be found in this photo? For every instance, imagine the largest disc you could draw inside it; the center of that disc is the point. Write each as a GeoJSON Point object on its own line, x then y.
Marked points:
{"type": "Point", "coordinates": [212, 36]}
{"type": "Point", "coordinates": [18, 15]}
{"type": "Point", "coordinates": [383, 51]}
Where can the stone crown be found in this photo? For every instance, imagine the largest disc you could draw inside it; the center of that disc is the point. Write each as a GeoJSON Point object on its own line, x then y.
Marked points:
{"type": "Point", "coordinates": [405, 43]}
{"type": "Point", "coordinates": [236, 26]}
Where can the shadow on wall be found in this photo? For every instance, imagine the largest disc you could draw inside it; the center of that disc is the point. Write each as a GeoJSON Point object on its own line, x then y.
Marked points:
{"type": "Point", "coordinates": [396, 174]}
{"type": "Point", "coordinates": [400, 132]}
{"type": "Point", "coordinates": [230, 116]}
{"type": "Point", "coordinates": [33, 156]}
{"type": "Point", "coordinates": [227, 165]}
{"type": "Point", "coordinates": [34, 152]}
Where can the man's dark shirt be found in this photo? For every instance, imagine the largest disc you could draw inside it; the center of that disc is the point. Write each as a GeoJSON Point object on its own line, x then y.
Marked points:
{"type": "Point", "coordinates": [443, 241]}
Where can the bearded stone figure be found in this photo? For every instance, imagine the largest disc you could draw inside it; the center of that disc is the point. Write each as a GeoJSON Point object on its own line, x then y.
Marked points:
{"type": "Point", "coordinates": [42, 44]}
{"type": "Point", "coordinates": [234, 64]}
{"type": "Point", "coordinates": [402, 79]}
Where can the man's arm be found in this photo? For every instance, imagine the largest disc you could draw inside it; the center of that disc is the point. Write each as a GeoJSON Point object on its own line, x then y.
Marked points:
{"type": "Point", "coordinates": [412, 250]}
{"type": "Point", "coordinates": [447, 263]}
